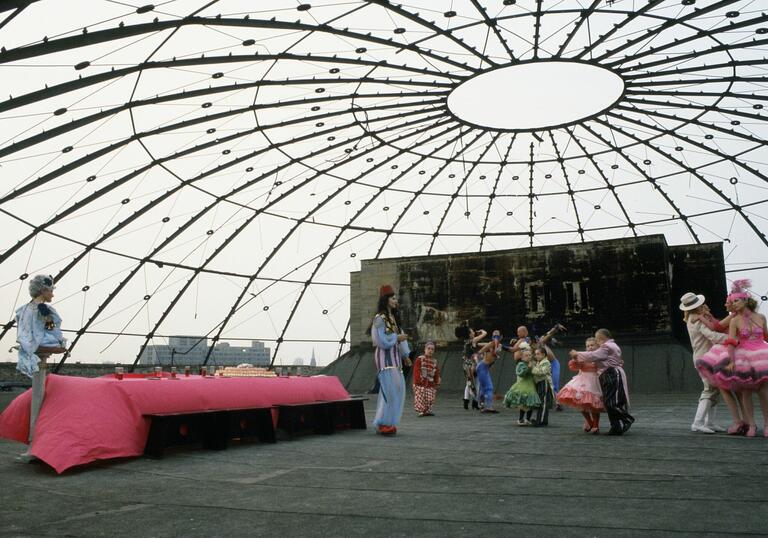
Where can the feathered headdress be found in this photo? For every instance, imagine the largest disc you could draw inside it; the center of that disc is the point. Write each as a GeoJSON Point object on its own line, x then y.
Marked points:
{"type": "Point", "coordinates": [740, 289]}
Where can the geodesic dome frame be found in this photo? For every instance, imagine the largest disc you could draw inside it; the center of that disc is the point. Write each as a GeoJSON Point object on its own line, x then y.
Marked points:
{"type": "Point", "coordinates": [213, 168]}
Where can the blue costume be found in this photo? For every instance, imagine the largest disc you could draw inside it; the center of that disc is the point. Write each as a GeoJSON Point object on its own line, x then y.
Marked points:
{"type": "Point", "coordinates": [39, 325]}
{"type": "Point", "coordinates": [555, 375]}
{"type": "Point", "coordinates": [484, 380]}
{"type": "Point", "coordinates": [389, 407]}
{"type": "Point", "coordinates": [485, 385]}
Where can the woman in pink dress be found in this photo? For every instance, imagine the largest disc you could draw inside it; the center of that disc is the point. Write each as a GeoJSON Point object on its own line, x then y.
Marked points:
{"type": "Point", "coordinates": [583, 391]}
{"type": "Point", "coordinates": [741, 363]}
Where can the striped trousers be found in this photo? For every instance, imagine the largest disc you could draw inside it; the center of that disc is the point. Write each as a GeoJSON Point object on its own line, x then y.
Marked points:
{"type": "Point", "coordinates": [615, 400]}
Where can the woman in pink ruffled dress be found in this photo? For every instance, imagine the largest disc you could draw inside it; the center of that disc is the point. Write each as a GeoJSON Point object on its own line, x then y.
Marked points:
{"type": "Point", "coordinates": [583, 391]}
{"type": "Point", "coordinates": [741, 362]}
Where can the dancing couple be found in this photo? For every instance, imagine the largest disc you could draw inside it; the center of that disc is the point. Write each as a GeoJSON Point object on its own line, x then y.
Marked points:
{"type": "Point", "coordinates": [739, 364]}
{"type": "Point", "coordinates": [534, 389]}
{"type": "Point", "coordinates": [613, 380]}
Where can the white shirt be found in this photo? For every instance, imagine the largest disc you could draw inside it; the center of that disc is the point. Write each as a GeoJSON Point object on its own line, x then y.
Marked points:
{"type": "Point", "coordinates": [702, 337]}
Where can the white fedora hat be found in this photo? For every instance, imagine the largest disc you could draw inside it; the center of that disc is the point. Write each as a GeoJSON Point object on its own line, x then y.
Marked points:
{"type": "Point", "coordinates": [689, 301]}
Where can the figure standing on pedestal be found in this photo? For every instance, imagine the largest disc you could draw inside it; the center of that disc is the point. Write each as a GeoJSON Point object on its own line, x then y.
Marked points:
{"type": "Point", "coordinates": [387, 339]}
{"type": "Point", "coordinates": [39, 336]}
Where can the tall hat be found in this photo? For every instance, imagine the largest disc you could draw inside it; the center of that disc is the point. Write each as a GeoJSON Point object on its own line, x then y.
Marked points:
{"type": "Point", "coordinates": [740, 289]}
{"type": "Point", "coordinates": [385, 290]}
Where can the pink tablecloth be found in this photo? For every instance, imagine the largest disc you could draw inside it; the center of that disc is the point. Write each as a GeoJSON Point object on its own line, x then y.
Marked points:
{"type": "Point", "coordinates": [86, 419]}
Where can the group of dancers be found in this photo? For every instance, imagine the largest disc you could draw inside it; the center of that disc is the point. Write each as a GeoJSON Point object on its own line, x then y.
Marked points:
{"type": "Point", "coordinates": [600, 384]}
{"type": "Point", "coordinates": [731, 356]}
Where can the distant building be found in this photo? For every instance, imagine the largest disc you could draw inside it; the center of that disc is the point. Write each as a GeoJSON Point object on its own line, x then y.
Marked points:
{"type": "Point", "coordinates": [313, 362]}
{"type": "Point", "coordinates": [298, 361]}
{"type": "Point", "coordinates": [191, 350]}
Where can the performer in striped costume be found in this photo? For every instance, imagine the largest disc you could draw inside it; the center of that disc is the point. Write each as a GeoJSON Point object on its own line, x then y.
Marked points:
{"type": "Point", "coordinates": [426, 379]}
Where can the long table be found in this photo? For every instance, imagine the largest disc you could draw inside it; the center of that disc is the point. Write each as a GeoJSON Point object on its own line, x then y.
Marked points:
{"type": "Point", "coordinates": [88, 419]}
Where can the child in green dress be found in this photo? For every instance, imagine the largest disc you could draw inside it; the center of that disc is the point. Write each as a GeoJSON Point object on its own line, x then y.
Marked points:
{"type": "Point", "coordinates": [523, 393]}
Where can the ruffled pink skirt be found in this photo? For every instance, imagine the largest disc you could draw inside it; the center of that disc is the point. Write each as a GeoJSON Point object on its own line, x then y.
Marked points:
{"type": "Point", "coordinates": [583, 392]}
{"type": "Point", "coordinates": [750, 368]}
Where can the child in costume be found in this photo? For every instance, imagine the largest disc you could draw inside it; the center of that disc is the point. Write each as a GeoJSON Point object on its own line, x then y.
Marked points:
{"type": "Point", "coordinates": [471, 341]}
{"type": "Point", "coordinates": [583, 391]}
{"type": "Point", "coordinates": [489, 353]}
{"type": "Point", "coordinates": [426, 379]}
{"type": "Point", "coordinates": [523, 393]}
{"type": "Point", "coordinates": [542, 377]}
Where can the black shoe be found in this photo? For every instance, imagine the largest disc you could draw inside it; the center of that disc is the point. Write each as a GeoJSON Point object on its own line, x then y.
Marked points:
{"type": "Point", "coordinates": [625, 427]}
{"type": "Point", "coordinates": [615, 432]}
{"type": "Point", "coordinates": [558, 407]}
{"type": "Point", "coordinates": [466, 404]}
{"type": "Point", "coordinates": [474, 405]}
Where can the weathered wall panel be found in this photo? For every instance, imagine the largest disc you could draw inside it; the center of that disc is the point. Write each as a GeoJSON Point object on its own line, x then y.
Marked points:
{"type": "Point", "coordinates": [628, 285]}
{"type": "Point", "coordinates": [699, 269]}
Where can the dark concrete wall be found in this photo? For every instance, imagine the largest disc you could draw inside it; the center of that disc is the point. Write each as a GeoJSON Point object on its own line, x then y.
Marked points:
{"type": "Point", "coordinates": [631, 286]}
{"type": "Point", "coordinates": [698, 269]}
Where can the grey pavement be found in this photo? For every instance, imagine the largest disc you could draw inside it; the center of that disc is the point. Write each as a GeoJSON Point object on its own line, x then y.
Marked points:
{"type": "Point", "coordinates": [456, 474]}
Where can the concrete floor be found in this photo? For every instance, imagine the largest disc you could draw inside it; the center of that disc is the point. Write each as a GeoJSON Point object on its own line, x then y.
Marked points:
{"type": "Point", "coordinates": [456, 474]}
